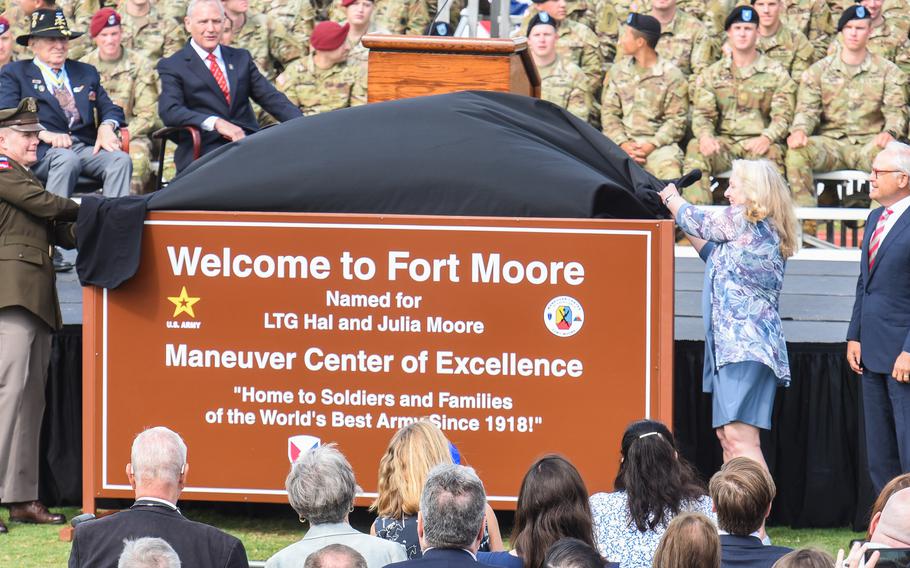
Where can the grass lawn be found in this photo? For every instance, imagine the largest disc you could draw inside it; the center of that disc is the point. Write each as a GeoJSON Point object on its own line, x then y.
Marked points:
{"type": "Point", "coordinates": [266, 529]}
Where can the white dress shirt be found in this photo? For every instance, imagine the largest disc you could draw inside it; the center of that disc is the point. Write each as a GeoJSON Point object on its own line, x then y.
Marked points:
{"type": "Point", "coordinates": [896, 211]}
{"type": "Point", "coordinates": [209, 123]}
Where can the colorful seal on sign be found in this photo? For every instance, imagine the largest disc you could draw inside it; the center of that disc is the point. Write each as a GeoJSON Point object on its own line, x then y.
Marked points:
{"type": "Point", "coordinates": [563, 316]}
{"type": "Point", "coordinates": [299, 444]}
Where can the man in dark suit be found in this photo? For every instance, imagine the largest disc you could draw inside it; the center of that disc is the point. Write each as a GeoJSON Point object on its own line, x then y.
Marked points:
{"type": "Point", "coordinates": [71, 102]}
{"type": "Point", "coordinates": [209, 86]}
{"type": "Point", "coordinates": [742, 492]}
{"type": "Point", "coordinates": [157, 472]}
{"type": "Point", "coordinates": [878, 338]}
{"type": "Point", "coordinates": [31, 220]}
{"type": "Point", "coordinates": [450, 521]}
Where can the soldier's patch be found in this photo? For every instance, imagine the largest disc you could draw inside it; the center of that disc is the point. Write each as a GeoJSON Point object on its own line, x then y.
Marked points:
{"type": "Point", "coordinates": [4, 164]}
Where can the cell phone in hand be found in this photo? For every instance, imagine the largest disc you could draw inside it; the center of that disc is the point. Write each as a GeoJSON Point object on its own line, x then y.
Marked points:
{"type": "Point", "coordinates": [889, 557]}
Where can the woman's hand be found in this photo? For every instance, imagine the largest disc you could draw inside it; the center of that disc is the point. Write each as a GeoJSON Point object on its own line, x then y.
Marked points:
{"type": "Point", "coordinates": [669, 193]}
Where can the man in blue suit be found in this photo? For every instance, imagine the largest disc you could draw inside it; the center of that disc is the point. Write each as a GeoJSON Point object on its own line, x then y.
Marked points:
{"type": "Point", "coordinates": [450, 522]}
{"type": "Point", "coordinates": [209, 86]}
{"type": "Point", "coordinates": [878, 339]}
{"type": "Point", "coordinates": [80, 118]}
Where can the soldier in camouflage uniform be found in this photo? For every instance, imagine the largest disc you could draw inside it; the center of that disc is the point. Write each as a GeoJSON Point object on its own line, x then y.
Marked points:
{"type": "Point", "coordinates": [598, 16]}
{"type": "Point", "coordinates": [887, 38]}
{"type": "Point", "coordinates": [853, 101]}
{"type": "Point", "coordinates": [132, 84]}
{"type": "Point", "coordinates": [323, 80]}
{"type": "Point", "coordinates": [6, 42]}
{"type": "Point", "coordinates": [398, 16]}
{"type": "Point", "coordinates": [576, 43]}
{"type": "Point", "coordinates": [742, 107]}
{"type": "Point", "coordinates": [269, 42]}
{"type": "Point", "coordinates": [684, 41]}
{"type": "Point", "coordinates": [297, 16]}
{"type": "Point", "coordinates": [780, 42]}
{"type": "Point", "coordinates": [646, 101]}
{"type": "Point", "coordinates": [17, 14]}
{"type": "Point", "coordinates": [145, 30]}
{"type": "Point", "coordinates": [561, 82]}
{"type": "Point", "coordinates": [359, 15]}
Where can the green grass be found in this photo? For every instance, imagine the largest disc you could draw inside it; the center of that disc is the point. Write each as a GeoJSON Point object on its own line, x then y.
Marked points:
{"type": "Point", "coordinates": [266, 529]}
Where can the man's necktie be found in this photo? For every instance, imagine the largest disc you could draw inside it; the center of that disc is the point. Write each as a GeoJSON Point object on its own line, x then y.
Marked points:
{"type": "Point", "coordinates": [66, 100]}
{"type": "Point", "coordinates": [876, 240]}
{"type": "Point", "coordinates": [219, 77]}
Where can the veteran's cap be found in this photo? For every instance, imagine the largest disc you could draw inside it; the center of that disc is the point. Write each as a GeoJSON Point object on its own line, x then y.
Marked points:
{"type": "Point", "coordinates": [858, 12]}
{"type": "Point", "coordinates": [47, 23]}
{"type": "Point", "coordinates": [23, 118]}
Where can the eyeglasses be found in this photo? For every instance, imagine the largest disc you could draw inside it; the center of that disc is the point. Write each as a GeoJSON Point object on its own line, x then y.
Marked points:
{"type": "Point", "coordinates": [877, 173]}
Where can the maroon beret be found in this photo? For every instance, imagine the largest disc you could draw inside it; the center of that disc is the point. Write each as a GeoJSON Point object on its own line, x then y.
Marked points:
{"type": "Point", "coordinates": [103, 18]}
{"type": "Point", "coordinates": [347, 3]}
{"type": "Point", "coordinates": [329, 36]}
{"type": "Point", "coordinates": [4, 25]}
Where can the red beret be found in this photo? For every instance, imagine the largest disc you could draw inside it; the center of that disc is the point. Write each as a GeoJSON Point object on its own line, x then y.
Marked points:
{"type": "Point", "coordinates": [103, 18]}
{"type": "Point", "coordinates": [329, 36]}
{"type": "Point", "coordinates": [347, 3]}
{"type": "Point", "coordinates": [4, 25]}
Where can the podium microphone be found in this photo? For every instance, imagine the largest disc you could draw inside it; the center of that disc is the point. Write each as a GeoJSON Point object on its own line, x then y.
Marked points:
{"type": "Point", "coordinates": [688, 179]}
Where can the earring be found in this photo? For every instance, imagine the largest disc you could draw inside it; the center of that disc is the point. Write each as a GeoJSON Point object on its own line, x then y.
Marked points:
{"type": "Point", "coordinates": [303, 519]}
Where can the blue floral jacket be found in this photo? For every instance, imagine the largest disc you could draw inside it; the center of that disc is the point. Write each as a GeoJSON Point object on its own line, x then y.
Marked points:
{"type": "Point", "coordinates": [746, 273]}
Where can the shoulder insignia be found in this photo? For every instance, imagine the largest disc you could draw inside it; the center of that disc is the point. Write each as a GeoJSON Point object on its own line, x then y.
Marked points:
{"type": "Point", "coordinates": [4, 163]}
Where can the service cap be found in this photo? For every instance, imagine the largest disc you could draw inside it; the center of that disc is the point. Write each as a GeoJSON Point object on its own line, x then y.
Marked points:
{"type": "Point", "coordinates": [644, 23]}
{"type": "Point", "coordinates": [744, 14]}
{"type": "Point", "coordinates": [858, 12]}
{"type": "Point", "coordinates": [542, 18]}
{"type": "Point", "coordinates": [103, 18]}
{"type": "Point", "coordinates": [47, 23]}
{"type": "Point", "coordinates": [23, 118]}
{"type": "Point", "coordinates": [328, 36]}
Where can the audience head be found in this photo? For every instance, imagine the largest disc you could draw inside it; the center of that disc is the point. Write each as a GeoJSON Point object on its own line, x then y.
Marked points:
{"type": "Point", "coordinates": [105, 29]}
{"type": "Point", "coordinates": [19, 128]}
{"type": "Point", "coordinates": [768, 12]}
{"type": "Point", "coordinates": [891, 527]}
{"type": "Point", "coordinates": [742, 492]}
{"type": "Point", "coordinates": [236, 6]}
{"type": "Point", "coordinates": [204, 22]}
{"type": "Point", "coordinates": [556, 8]}
{"type": "Point", "coordinates": [158, 465]}
{"type": "Point", "coordinates": [691, 541]}
{"type": "Point", "coordinates": [641, 30]}
{"type": "Point", "coordinates": [874, 7]}
{"type": "Point", "coordinates": [6, 40]}
{"type": "Point", "coordinates": [358, 12]}
{"type": "Point", "coordinates": [542, 36]}
{"type": "Point", "coordinates": [656, 480]}
{"type": "Point", "coordinates": [855, 26]}
{"type": "Point", "coordinates": [552, 504]}
{"type": "Point", "coordinates": [452, 508]}
{"type": "Point", "coordinates": [49, 37]}
{"type": "Point", "coordinates": [148, 552]}
{"type": "Point", "coordinates": [573, 553]}
{"type": "Point", "coordinates": [890, 179]}
{"type": "Point", "coordinates": [805, 558]}
{"type": "Point", "coordinates": [330, 41]}
{"type": "Point", "coordinates": [412, 453]}
{"type": "Point", "coordinates": [227, 32]}
{"type": "Point", "coordinates": [900, 482]}
{"type": "Point", "coordinates": [742, 29]}
{"type": "Point", "coordinates": [761, 190]}
{"type": "Point", "coordinates": [335, 556]}
{"type": "Point", "coordinates": [321, 485]}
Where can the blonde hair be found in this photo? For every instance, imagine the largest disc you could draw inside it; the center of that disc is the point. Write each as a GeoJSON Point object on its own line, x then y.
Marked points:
{"type": "Point", "coordinates": [690, 541]}
{"type": "Point", "coordinates": [412, 453]}
{"type": "Point", "coordinates": [768, 197]}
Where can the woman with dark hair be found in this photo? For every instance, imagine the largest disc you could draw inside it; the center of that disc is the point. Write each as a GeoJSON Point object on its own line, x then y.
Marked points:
{"type": "Point", "coordinates": [653, 485]}
{"type": "Point", "coordinates": [552, 504]}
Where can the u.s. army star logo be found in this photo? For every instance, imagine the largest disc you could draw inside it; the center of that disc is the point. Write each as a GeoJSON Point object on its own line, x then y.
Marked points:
{"type": "Point", "coordinates": [183, 303]}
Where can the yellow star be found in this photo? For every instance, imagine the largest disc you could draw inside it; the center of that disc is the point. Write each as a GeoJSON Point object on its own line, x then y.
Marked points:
{"type": "Point", "coordinates": [183, 303]}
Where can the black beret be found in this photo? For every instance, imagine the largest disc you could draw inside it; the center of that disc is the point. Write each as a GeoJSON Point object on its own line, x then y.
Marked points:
{"type": "Point", "coordinates": [745, 14]}
{"type": "Point", "coordinates": [644, 23]}
{"type": "Point", "coordinates": [541, 18]}
{"type": "Point", "coordinates": [859, 12]}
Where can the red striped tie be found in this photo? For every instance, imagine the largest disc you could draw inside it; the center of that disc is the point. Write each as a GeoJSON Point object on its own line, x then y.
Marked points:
{"type": "Point", "coordinates": [876, 239]}
{"type": "Point", "coordinates": [219, 77]}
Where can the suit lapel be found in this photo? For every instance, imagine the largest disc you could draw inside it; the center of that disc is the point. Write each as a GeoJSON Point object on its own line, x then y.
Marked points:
{"type": "Point", "coordinates": [36, 80]}
{"type": "Point", "coordinates": [202, 71]}
{"type": "Point", "coordinates": [899, 226]}
{"type": "Point", "coordinates": [81, 92]}
{"type": "Point", "coordinates": [231, 72]}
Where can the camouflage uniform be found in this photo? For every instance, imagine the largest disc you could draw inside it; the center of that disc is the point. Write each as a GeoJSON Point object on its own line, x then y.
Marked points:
{"type": "Point", "coordinates": [397, 16]}
{"type": "Point", "coordinates": [297, 16]}
{"type": "Point", "coordinates": [788, 47]}
{"type": "Point", "coordinates": [563, 84]}
{"type": "Point", "coordinates": [174, 10]}
{"type": "Point", "coordinates": [359, 55]}
{"type": "Point", "coordinates": [132, 84]}
{"type": "Point", "coordinates": [317, 90]}
{"type": "Point", "coordinates": [647, 105]}
{"type": "Point", "coordinates": [898, 11]}
{"type": "Point", "coordinates": [18, 25]}
{"type": "Point", "coordinates": [270, 44]}
{"type": "Point", "coordinates": [885, 41]}
{"type": "Point", "coordinates": [598, 16]}
{"type": "Point", "coordinates": [813, 18]}
{"type": "Point", "coordinates": [685, 43]}
{"type": "Point", "coordinates": [847, 107]}
{"type": "Point", "coordinates": [577, 44]}
{"type": "Point", "coordinates": [733, 105]}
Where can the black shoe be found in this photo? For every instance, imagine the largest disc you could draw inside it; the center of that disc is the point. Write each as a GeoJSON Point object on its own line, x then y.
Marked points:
{"type": "Point", "coordinates": [61, 265]}
{"type": "Point", "coordinates": [3, 529]}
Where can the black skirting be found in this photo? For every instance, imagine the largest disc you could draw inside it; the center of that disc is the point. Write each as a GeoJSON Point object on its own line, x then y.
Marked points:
{"type": "Point", "coordinates": [815, 449]}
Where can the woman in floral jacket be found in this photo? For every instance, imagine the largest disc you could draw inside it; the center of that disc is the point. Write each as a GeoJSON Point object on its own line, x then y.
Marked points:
{"type": "Point", "coordinates": [745, 247]}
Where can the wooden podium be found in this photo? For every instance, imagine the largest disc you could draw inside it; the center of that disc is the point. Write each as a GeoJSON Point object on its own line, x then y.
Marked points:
{"type": "Point", "coordinates": [414, 66]}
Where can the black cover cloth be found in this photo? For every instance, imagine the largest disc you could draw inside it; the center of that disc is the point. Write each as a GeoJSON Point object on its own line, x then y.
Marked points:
{"type": "Point", "coordinates": [468, 153]}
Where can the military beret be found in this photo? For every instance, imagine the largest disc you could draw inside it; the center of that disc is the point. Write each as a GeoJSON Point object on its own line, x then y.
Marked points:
{"type": "Point", "coordinates": [541, 18]}
{"type": "Point", "coordinates": [644, 23]}
{"type": "Point", "coordinates": [4, 25]}
{"type": "Point", "coordinates": [442, 29]}
{"type": "Point", "coordinates": [347, 3]}
{"type": "Point", "coordinates": [103, 18]}
{"type": "Point", "coordinates": [23, 118]}
{"type": "Point", "coordinates": [328, 36]}
{"type": "Point", "coordinates": [853, 13]}
{"type": "Point", "coordinates": [744, 14]}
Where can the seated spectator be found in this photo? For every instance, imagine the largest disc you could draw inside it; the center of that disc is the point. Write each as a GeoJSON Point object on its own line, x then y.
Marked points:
{"type": "Point", "coordinates": [834, 128]}
{"type": "Point", "coordinates": [690, 542]}
{"type": "Point", "coordinates": [552, 504]}
{"type": "Point", "coordinates": [806, 558]}
{"type": "Point", "coordinates": [645, 102]}
{"type": "Point", "coordinates": [296, 16]}
{"type": "Point", "coordinates": [900, 482]}
{"type": "Point", "coordinates": [684, 40]}
{"type": "Point", "coordinates": [272, 46]}
{"type": "Point", "coordinates": [323, 81]}
{"type": "Point", "coordinates": [413, 451]}
{"type": "Point", "coordinates": [359, 14]}
{"type": "Point", "coordinates": [742, 492]}
{"type": "Point", "coordinates": [131, 83]}
{"type": "Point", "coordinates": [575, 42]}
{"type": "Point", "coordinates": [209, 86]}
{"type": "Point", "coordinates": [599, 17]}
{"type": "Point", "coordinates": [888, 36]}
{"type": "Point", "coordinates": [451, 521]}
{"type": "Point", "coordinates": [561, 82]}
{"type": "Point", "coordinates": [70, 96]}
{"type": "Point", "coordinates": [891, 527]}
{"type": "Point", "coordinates": [148, 552]}
{"type": "Point", "coordinates": [227, 33]}
{"type": "Point", "coordinates": [321, 490]}
{"type": "Point", "coordinates": [653, 485]}
{"type": "Point", "coordinates": [335, 556]}
{"type": "Point", "coordinates": [789, 47]}
{"type": "Point", "coordinates": [157, 472]}
{"type": "Point", "coordinates": [18, 13]}
{"type": "Point", "coordinates": [401, 17]}
{"type": "Point", "coordinates": [6, 42]}
{"type": "Point", "coordinates": [573, 553]}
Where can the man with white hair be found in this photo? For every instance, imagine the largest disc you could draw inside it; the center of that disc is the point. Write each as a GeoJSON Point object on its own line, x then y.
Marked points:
{"type": "Point", "coordinates": [148, 552]}
{"type": "Point", "coordinates": [157, 472]}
